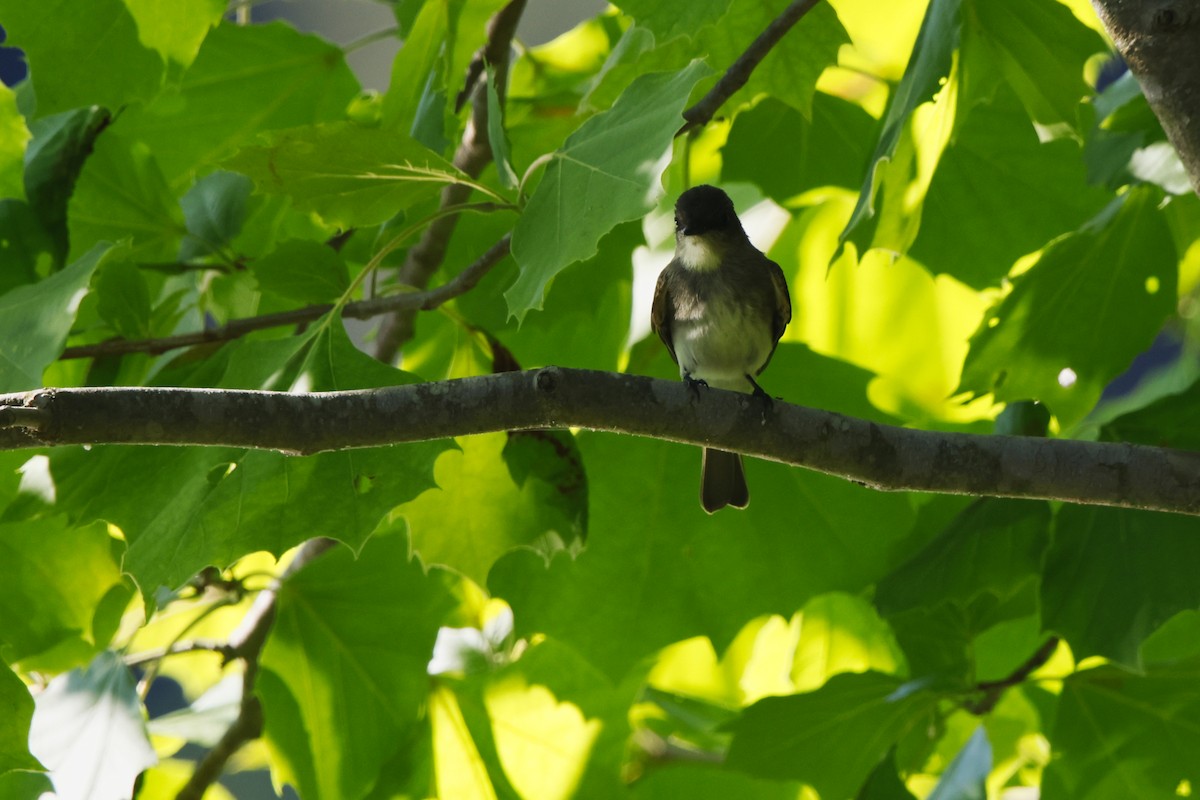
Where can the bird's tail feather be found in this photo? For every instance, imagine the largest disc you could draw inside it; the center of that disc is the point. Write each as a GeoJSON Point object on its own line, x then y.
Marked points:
{"type": "Point", "coordinates": [722, 481]}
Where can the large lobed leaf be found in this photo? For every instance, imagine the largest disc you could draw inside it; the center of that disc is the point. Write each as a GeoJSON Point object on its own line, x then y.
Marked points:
{"type": "Point", "coordinates": [999, 194]}
{"type": "Point", "coordinates": [1120, 734]}
{"type": "Point", "coordinates": [35, 320]}
{"type": "Point", "coordinates": [184, 508]}
{"type": "Point", "coordinates": [1077, 317]}
{"type": "Point", "coordinates": [245, 80]}
{"type": "Point", "coordinates": [98, 58]}
{"type": "Point", "coordinates": [17, 708]}
{"type": "Point", "coordinates": [54, 618]}
{"type": "Point", "coordinates": [928, 66]}
{"type": "Point", "coordinates": [805, 737]}
{"type": "Point", "coordinates": [606, 173]}
{"type": "Point", "coordinates": [89, 732]}
{"type": "Point", "coordinates": [348, 174]}
{"type": "Point", "coordinates": [691, 574]}
{"type": "Point", "coordinates": [343, 673]}
{"type": "Point", "coordinates": [1113, 576]}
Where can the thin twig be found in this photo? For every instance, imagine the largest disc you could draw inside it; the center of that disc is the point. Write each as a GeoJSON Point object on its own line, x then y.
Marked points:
{"type": "Point", "coordinates": [739, 72]}
{"type": "Point", "coordinates": [993, 690]}
{"type": "Point", "coordinates": [223, 649]}
{"type": "Point", "coordinates": [365, 309]}
{"type": "Point", "coordinates": [473, 154]}
{"type": "Point", "coordinates": [247, 643]}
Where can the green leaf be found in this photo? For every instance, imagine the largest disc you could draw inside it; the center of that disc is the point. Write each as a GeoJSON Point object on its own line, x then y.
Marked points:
{"type": "Point", "coordinates": [842, 633]}
{"type": "Point", "coordinates": [545, 725]}
{"type": "Point", "coordinates": [789, 72]}
{"type": "Point", "coordinates": [804, 534]}
{"type": "Point", "coordinates": [176, 32]}
{"type": "Point", "coordinates": [94, 59]}
{"type": "Point", "coordinates": [24, 786]}
{"type": "Point", "coordinates": [1040, 48]}
{"type": "Point", "coordinates": [351, 176]}
{"type": "Point", "coordinates": [16, 710]}
{"type": "Point", "coordinates": [123, 299]}
{"type": "Point", "coordinates": [674, 17]}
{"type": "Point", "coordinates": [803, 737]}
{"type": "Point", "coordinates": [497, 136]}
{"type": "Point", "coordinates": [60, 146]}
{"type": "Point", "coordinates": [604, 174]}
{"type": "Point", "coordinates": [1031, 192]}
{"type": "Point", "coordinates": [709, 782]}
{"type": "Point", "coordinates": [490, 499]}
{"type": "Point", "coordinates": [1124, 122]}
{"type": "Point", "coordinates": [245, 80]}
{"type": "Point", "coordinates": [49, 613]}
{"type": "Point", "coordinates": [413, 66]}
{"type": "Point", "coordinates": [829, 150]}
{"type": "Point", "coordinates": [35, 320]}
{"type": "Point", "coordinates": [1118, 734]}
{"type": "Point", "coordinates": [185, 508]}
{"type": "Point", "coordinates": [587, 308]}
{"type": "Point", "coordinates": [346, 662]}
{"type": "Point", "coordinates": [121, 193]}
{"type": "Point", "coordinates": [1130, 569]}
{"type": "Point", "coordinates": [307, 271]}
{"type": "Point", "coordinates": [965, 778]}
{"type": "Point", "coordinates": [993, 547]}
{"type": "Point", "coordinates": [214, 210]}
{"type": "Point", "coordinates": [1172, 421]}
{"type": "Point", "coordinates": [207, 718]}
{"type": "Point", "coordinates": [928, 67]}
{"type": "Point", "coordinates": [89, 731]}
{"type": "Point", "coordinates": [884, 784]}
{"type": "Point", "coordinates": [23, 242]}
{"type": "Point", "coordinates": [13, 138]}
{"type": "Point", "coordinates": [1077, 318]}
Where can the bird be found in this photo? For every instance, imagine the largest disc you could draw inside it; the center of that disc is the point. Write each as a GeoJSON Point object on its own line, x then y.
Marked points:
{"type": "Point", "coordinates": [720, 306]}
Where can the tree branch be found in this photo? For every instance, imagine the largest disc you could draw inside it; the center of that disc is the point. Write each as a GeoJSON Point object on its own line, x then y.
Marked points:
{"type": "Point", "coordinates": [226, 651]}
{"type": "Point", "coordinates": [993, 690]}
{"type": "Point", "coordinates": [247, 643]}
{"type": "Point", "coordinates": [418, 301]}
{"type": "Point", "coordinates": [1158, 41]}
{"type": "Point", "coordinates": [472, 155]}
{"type": "Point", "coordinates": [739, 72]}
{"type": "Point", "coordinates": [876, 455]}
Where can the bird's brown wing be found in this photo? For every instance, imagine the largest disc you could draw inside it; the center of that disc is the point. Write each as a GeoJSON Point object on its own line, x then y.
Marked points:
{"type": "Point", "coordinates": [783, 307]}
{"type": "Point", "coordinates": [662, 313]}
{"type": "Point", "coordinates": [783, 300]}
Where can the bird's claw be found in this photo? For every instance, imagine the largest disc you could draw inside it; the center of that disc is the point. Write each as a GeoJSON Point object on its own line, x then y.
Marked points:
{"type": "Point", "coordinates": [760, 393]}
{"type": "Point", "coordinates": [693, 385]}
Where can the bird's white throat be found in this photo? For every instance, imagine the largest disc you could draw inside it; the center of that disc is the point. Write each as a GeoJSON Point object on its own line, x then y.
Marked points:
{"type": "Point", "coordinates": [696, 252]}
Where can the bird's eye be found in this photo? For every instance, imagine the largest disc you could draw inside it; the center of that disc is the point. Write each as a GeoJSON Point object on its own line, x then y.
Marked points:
{"type": "Point", "coordinates": [678, 225]}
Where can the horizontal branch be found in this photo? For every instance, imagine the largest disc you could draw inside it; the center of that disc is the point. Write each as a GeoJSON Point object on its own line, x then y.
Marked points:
{"type": "Point", "coordinates": [876, 455]}
{"type": "Point", "coordinates": [364, 309]}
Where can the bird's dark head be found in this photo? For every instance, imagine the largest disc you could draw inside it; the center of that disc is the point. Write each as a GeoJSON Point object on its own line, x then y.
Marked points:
{"type": "Point", "coordinates": [705, 209]}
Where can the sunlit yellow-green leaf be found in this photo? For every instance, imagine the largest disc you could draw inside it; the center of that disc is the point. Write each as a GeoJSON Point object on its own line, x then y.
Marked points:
{"type": "Point", "coordinates": [543, 743]}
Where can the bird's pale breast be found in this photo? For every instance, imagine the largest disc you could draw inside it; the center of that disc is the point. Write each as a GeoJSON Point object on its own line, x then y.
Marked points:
{"type": "Point", "coordinates": [720, 341]}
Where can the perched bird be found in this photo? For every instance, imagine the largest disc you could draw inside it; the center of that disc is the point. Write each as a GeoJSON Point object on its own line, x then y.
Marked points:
{"type": "Point", "coordinates": [720, 307]}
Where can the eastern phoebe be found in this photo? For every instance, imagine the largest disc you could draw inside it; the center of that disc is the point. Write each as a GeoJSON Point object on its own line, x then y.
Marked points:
{"type": "Point", "coordinates": [720, 307]}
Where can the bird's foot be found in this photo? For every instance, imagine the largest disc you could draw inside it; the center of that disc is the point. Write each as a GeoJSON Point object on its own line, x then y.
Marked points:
{"type": "Point", "coordinates": [760, 393]}
{"type": "Point", "coordinates": [694, 384]}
